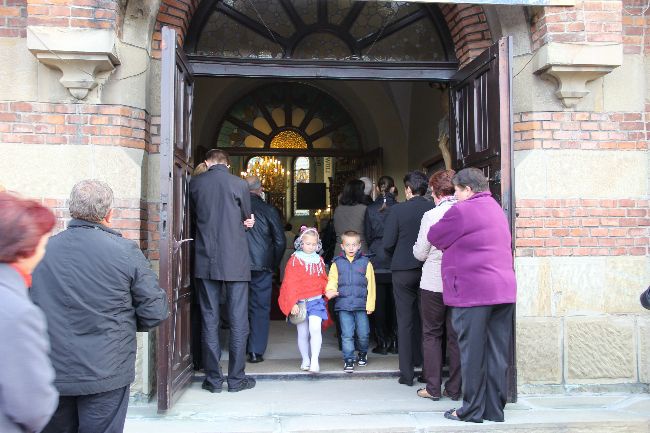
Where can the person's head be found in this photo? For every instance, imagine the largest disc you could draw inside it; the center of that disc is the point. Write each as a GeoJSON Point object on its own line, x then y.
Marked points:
{"type": "Point", "coordinates": [441, 185]}
{"type": "Point", "coordinates": [92, 200]}
{"type": "Point", "coordinates": [415, 183]}
{"type": "Point", "coordinates": [308, 241]}
{"type": "Point", "coordinates": [254, 185]}
{"type": "Point", "coordinates": [25, 227]}
{"type": "Point", "coordinates": [200, 169]}
{"type": "Point", "coordinates": [352, 193]}
{"type": "Point", "coordinates": [216, 156]}
{"type": "Point", "coordinates": [468, 182]}
{"type": "Point", "coordinates": [367, 185]}
{"type": "Point", "coordinates": [350, 243]}
{"type": "Point", "coordinates": [385, 184]}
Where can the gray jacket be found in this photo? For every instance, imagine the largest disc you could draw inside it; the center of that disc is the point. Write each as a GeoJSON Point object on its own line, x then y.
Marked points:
{"type": "Point", "coordinates": [95, 288]}
{"type": "Point", "coordinates": [27, 397]}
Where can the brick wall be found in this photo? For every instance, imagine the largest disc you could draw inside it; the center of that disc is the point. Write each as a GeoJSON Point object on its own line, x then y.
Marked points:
{"type": "Point", "coordinates": [46, 123]}
{"type": "Point", "coordinates": [102, 14]}
{"type": "Point", "coordinates": [176, 14]}
{"type": "Point", "coordinates": [469, 30]}
{"type": "Point", "coordinates": [130, 218]}
{"type": "Point", "coordinates": [13, 18]}
{"type": "Point", "coordinates": [581, 130]}
{"type": "Point", "coordinates": [597, 21]}
{"type": "Point", "coordinates": [582, 227]}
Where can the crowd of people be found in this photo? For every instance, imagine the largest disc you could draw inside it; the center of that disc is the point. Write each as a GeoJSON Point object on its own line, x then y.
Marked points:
{"type": "Point", "coordinates": [404, 274]}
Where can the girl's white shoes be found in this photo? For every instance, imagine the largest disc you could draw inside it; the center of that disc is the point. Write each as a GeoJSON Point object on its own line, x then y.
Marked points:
{"type": "Point", "coordinates": [314, 369]}
{"type": "Point", "coordinates": [305, 366]}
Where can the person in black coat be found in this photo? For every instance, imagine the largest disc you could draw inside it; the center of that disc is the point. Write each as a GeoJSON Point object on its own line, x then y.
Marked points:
{"type": "Point", "coordinates": [221, 208]}
{"type": "Point", "coordinates": [266, 244]}
{"type": "Point", "coordinates": [645, 299]}
{"type": "Point", "coordinates": [384, 317]}
{"type": "Point", "coordinates": [96, 289]}
{"type": "Point", "coordinates": [400, 233]}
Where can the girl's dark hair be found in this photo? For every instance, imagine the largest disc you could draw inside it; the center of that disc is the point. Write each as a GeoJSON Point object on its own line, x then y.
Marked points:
{"type": "Point", "coordinates": [352, 193]}
{"type": "Point", "coordinates": [385, 183]}
{"type": "Point", "coordinates": [417, 181]}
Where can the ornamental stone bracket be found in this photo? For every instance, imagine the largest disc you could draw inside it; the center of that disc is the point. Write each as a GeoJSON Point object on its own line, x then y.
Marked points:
{"type": "Point", "coordinates": [572, 66]}
{"type": "Point", "coordinates": [82, 55]}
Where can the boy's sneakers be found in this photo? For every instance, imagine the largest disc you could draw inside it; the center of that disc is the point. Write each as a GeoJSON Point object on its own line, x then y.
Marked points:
{"type": "Point", "coordinates": [362, 359]}
{"type": "Point", "coordinates": [348, 367]}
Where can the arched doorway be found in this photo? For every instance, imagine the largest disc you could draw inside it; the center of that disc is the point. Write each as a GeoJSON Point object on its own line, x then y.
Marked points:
{"type": "Point", "coordinates": [292, 60]}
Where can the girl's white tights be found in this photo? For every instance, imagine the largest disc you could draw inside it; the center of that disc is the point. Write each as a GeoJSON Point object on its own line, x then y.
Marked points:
{"type": "Point", "coordinates": [310, 339]}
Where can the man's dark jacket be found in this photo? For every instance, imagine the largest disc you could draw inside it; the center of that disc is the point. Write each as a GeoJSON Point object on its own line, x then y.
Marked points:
{"type": "Point", "coordinates": [95, 288]}
{"type": "Point", "coordinates": [645, 299]}
{"type": "Point", "coordinates": [220, 203]}
{"type": "Point", "coordinates": [266, 241]}
{"type": "Point", "coordinates": [401, 232]}
{"type": "Point", "coordinates": [374, 230]}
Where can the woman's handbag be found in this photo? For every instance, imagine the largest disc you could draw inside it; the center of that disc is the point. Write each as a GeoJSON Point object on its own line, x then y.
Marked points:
{"type": "Point", "coordinates": [301, 316]}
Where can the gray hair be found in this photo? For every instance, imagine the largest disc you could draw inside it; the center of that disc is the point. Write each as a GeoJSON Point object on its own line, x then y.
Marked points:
{"type": "Point", "coordinates": [90, 200]}
{"type": "Point", "coordinates": [471, 177]}
{"type": "Point", "coordinates": [254, 183]}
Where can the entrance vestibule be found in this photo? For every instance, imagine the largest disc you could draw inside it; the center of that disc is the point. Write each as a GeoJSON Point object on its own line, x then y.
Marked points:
{"type": "Point", "coordinates": [387, 128]}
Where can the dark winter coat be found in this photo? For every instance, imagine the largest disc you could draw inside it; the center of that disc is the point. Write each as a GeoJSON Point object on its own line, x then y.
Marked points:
{"type": "Point", "coordinates": [220, 204]}
{"type": "Point", "coordinates": [645, 299]}
{"type": "Point", "coordinates": [374, 231]}
{"type": "Point", "coordinates": [266, 240]}
{"type": "Point", "coordinates": [27, 397]}
{"type": "Point", "coordinates": [95, 288]}
{"type": "Point", "coordinates": [401, 232]}
{"type": "Point", "coordinates": [352, 283]}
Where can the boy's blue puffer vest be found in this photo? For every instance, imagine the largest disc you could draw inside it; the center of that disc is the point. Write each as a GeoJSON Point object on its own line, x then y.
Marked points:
{"type": "Point", "coordinates": [353, 284]}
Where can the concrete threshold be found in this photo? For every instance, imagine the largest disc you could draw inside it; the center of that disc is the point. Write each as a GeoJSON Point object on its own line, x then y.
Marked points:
{"type": "Point", "coordinates": [378, 404]}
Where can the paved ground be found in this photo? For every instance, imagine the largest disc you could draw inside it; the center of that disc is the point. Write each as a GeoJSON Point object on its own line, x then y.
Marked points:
{"type": "Point", "coordinates": [371, 404]}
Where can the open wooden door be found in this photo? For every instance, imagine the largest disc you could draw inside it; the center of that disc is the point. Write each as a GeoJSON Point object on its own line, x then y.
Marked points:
{"type": "Point", "coordinates": [481, 134]}
{"type": "Point", "coordinates": [174, 357]}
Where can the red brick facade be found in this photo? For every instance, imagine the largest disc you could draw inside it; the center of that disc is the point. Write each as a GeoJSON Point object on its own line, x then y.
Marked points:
{"type": "Point", "coordinates": [580, 130]}
{"type": "Point", "coordinates": [590, 21]}
{"type": "Point", "coordinates": [43, 123]}
{"type": "Point", "coordinates": [99, 14]}
{"type": "Point", "coordinates": [13, 18]}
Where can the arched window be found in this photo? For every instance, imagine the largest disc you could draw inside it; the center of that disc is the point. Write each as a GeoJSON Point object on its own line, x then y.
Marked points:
{"type": "Point", "coordinates": [321, 30]}
{"type": "Point", "coordinates": [301, 174]}
{"type": "Point", "coordinates": [287, 117]}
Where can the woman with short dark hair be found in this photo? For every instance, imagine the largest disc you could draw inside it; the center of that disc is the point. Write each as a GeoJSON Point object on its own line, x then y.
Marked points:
{"type": "Point", "coordinates": [480, 287]}
{"type": "Point", "coordinates": [349, 214]}
{"type": "Point", "coordinates": [400, 233]}
{"type": "Point", "coordinates": [27, 394]}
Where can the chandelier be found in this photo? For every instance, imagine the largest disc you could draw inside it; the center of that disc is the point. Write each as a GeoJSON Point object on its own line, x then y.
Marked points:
{"type": "Point", "coordinates": [270, 172]}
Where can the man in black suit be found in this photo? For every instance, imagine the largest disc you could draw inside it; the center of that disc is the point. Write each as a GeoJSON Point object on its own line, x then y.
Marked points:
{"type": "Point", "coordinates": [222, 211]}
{"type": "Point", "coordinates": [266, 243]}
{"type": "Point", "coordinates": [400, 233]}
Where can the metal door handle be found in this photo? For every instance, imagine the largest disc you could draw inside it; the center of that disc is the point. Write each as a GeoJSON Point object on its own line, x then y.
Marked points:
{"type": "Point", "coordinates": [177, 244]}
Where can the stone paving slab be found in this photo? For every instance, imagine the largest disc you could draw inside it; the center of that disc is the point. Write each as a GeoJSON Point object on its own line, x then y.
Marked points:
{"type": "Point", "coordinates": [378, 405]}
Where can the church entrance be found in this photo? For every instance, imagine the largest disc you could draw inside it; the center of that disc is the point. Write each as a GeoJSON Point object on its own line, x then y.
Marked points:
{"type": "Point", "coordinates": [326, 93]}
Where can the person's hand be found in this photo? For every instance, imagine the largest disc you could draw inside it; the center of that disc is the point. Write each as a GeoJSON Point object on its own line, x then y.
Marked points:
{"type": "Point", "coordinates": [295, 309]}
{"type": "Point", "coordinates": [369, 312]}
{"type": "Point", "coordinates": [331, 294]}
{"type": "Point", "coordinates": [250, 222]}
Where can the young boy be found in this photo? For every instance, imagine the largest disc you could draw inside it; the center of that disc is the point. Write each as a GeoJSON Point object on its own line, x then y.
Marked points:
{"type": "Point", "coordinates": [352, 281]}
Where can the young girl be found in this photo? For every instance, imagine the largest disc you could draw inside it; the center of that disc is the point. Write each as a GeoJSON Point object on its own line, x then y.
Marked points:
{"type": "Point", "coordinates": [304, 281]}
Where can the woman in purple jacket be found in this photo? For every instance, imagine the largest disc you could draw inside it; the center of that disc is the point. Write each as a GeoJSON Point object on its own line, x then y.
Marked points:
{"type": "Point", "coordinates": [479, 284]}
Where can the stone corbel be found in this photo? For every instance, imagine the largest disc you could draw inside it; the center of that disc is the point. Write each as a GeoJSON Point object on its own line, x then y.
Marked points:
{"type": "Point", "coordinates": [572, 66]}
{"type": "Point", "coordinates": [82, 55]}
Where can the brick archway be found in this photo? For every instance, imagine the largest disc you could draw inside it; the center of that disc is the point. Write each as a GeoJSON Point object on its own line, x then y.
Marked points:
{"type": "Point", "coordinates": [467, 25]}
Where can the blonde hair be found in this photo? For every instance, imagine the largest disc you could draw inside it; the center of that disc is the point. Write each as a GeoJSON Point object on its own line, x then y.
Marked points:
{"type": "Point", "coordinates": [200, 169]}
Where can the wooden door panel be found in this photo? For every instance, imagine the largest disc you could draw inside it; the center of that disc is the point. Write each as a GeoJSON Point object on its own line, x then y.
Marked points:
{"type": "Point", "coordinates": [480, 132]}
{"type": "Point", "coordinates": [174, 358]}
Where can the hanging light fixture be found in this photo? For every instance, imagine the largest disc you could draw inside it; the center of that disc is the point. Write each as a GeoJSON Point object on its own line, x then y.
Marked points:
{"type": "Point", "coordinates": [270, 172]}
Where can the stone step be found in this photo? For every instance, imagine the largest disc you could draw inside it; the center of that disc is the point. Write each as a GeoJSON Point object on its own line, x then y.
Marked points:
{"type": "Point", "coordinates": [378, 405]}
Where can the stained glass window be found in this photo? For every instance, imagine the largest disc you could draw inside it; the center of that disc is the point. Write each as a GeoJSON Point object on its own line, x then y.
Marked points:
{"type": "Point", "coordinates": [287, 116]}
{"type": "Point", "coordinates": [318, 30]}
